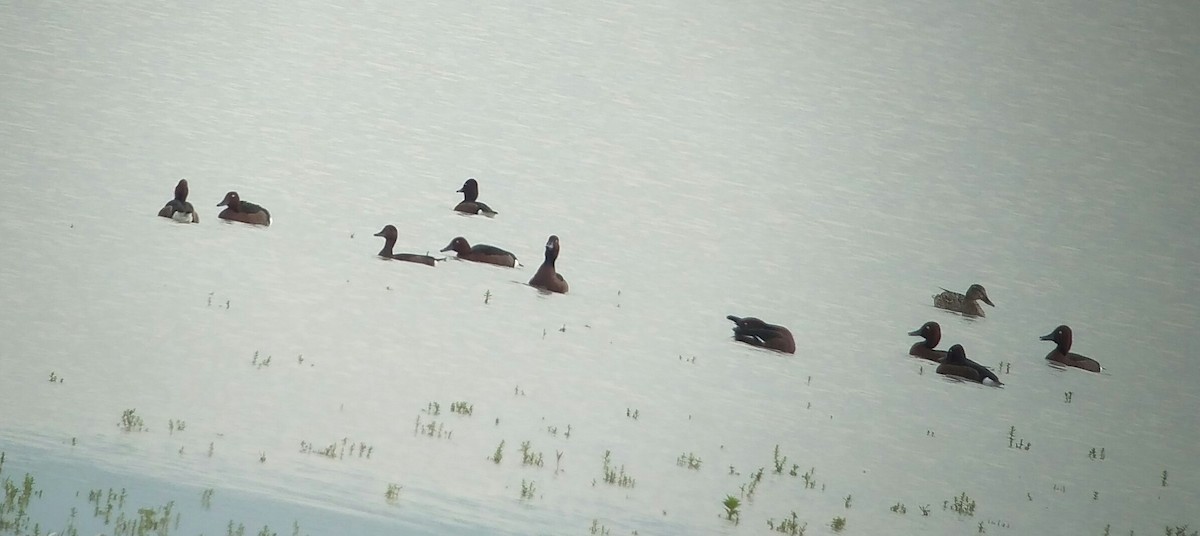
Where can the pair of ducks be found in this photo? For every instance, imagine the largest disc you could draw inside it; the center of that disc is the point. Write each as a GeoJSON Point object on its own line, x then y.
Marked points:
{"type": "Point", "coordinates": [546, 278]}
{"type": "Point", "coordinates": [954, 362]}
{"type": "Point", "coordinates": [180, 210]}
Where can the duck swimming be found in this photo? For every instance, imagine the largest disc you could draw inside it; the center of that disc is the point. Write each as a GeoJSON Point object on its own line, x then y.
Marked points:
{"type": "Point", "coordinates": [546, 277]}
{"type": "Point", "coordinates": [1062, 352]}
{"type": "Point", "coordinates": [956, 364]}
{"type": "Point", "coordinates": [179, 209]}
{"type": "Point", "coordinates": [389, 235]}
{"type": "Point", "coordinates": [243, 211]}
{"type": "Point", "coordinates": [481, 253]}
{"type": "Point", "coordinates": [755, 332]}
{"type": "Point", "coordinates": [469, 204]}
{"type": "Point", "coordinates": [932, 332]}
{"type": "Point", "coordinates": [967, 304]}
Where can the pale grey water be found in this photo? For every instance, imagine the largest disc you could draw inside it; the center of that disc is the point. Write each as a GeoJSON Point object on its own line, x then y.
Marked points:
{"type": "Point", "coordinates": [823, 166]}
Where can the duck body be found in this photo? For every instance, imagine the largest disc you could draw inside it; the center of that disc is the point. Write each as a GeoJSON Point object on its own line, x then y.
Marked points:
{"type": "Point", "coordinates": [390, 234]}
{"type": "Point", "coordinates": [481, 253]}
{"type": "Point", "coordinates": [243, 211]}
{"type": "Point", "coordinates": [547, 278]}
{"type": "Point", "coordinates": [1062, 354]}
{"type": "Point", "coordinates": [755, 332]}
{"type": "Point", "coordinates": [967, 304]}
{"type": "Point", "coordinates": [932, 333]}
{"type": "Point", "coordinates": [179, 209]}
{"type": "Point", "coordinates": [470, 203]}
{"type": "Point", "coordinates": [956, 364]}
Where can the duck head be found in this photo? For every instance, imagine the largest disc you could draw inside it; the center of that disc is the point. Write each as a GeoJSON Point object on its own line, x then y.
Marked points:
{"type": "Point", "coordinates": [458, 245]}
{"type": "Point", "coordinates": [1060, 336]}
{"type": "Point", "coordinates": [470, 189]}
{"type": "Point", "coordinates": [977, 292]}
{"type": "Point", "coordinates": [931, 331]}
{"type": "Point", "coordinates": [231, 200]}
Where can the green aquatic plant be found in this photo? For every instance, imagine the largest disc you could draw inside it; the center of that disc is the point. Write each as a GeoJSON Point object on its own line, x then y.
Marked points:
{"type": "Point", "coordinates": [963, 505]}
{"type": "Point", "coordinates": [206, 498]}
{"type": "Point", "coordinates": [848, 497]}
{"type": "Point", "coordinates": [462, 408]}
{"type": "Point", "coordinates": [810, 481]}
{"type": "Point", "coordinates": [838, 524]}
{"type": "Point", "coordinates": [1017, 443]}
{"type": "Point", "coordinates": [616, 476]}
{"type": "Point", "coordinates": [598, 529]}
{"type": "Point", "coordinates": [528, 457]}
{"type": "Point", "coordinates": [499, 454]}
{"type": "Point", "coordinates": [788, 525]}
{"type": "Point", "coordinates": [393, 493]}
{"type": "Point", "coordinates": [1164, 478]}
{"type": "Point", "coordinates": [780, 461]}
{"type": "Point", "coordinates": [688, 460]}
{"type": "Point", "coordinates": [732, 504]}
{"type": "Point", "coordinates": [527, 490]}
{"type": "Point", "coordinates": [899, 508]}
{"type": "Point", "coordinates": [131, 421]}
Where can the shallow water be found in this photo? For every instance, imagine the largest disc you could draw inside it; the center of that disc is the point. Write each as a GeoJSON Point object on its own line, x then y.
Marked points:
{"type": "Point", "coordinates": [826, 167]}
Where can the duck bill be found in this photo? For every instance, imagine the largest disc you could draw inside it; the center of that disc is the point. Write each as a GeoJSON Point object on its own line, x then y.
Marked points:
{"type": "Point", "coordinates": [915, 333]}
{"type": "Point", "coordinates": [447, 248]}
{"type": "Point", "coordinates": [735, 319]}
{"type": "Point", "coordinates": [1047, 337]}
{"type": "Point", "coordinates": [380, 233]}
{"type": "Point", "coordinates": [461, 190]}
{"type": "Point", "coordinates": [987, 301]}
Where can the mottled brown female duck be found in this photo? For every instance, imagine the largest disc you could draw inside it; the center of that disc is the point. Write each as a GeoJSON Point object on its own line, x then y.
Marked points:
{"type": "Point", "coordinates": [389, 235]}
{"type": "Point", "coordinates": [967, 304]}
{"type": "Point", "coordinates": [179, 209]}
{"type": "Point", "coordinates": [956, 364]}
{"type": "Point", "coordinates": [470, 203]}
{"type": "Point", "coordinates": [932, 332]}
{"type": "Point", "coordinates": [481, 253]}
{"type": "Point", "coordinates": [1062, 352]}
{"type": "Point", "coordinates": [755, 332]}
{"type": "Point", "coordinates": [546, 277]}
{"type": "Point", "coordinates": [243, 211]}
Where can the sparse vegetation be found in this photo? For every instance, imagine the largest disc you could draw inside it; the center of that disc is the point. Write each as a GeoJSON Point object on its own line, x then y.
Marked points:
{"type": "Point", "coordinates": [788, 525]}
{"type": "Point", "coordinates": [838, 524]}
{"type": "Point", "coordinates": [131, 421]}
{"type": "Point", "coordinates": [688, 460]}
{"type": "Point", "coordinates": [616, 476]}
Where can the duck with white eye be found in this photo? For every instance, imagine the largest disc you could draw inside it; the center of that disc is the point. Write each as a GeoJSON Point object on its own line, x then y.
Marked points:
{"type": "Point", "coordinates": [956, 364]}
{"type": "Point", "coordinates": [1061, 354]}
{"type": "Point", "coordinates": [547, 277]}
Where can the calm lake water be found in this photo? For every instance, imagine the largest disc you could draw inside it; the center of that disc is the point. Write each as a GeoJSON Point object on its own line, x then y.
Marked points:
{"type": "Point", "coordinates": [825, 166]}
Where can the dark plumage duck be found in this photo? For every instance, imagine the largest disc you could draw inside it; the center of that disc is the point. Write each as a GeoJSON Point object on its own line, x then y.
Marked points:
{"type": "Point", "coordinates": [389, 235]}
{"type": "Point", "coordinates": [470, 203]}
{"type": "Point", "coordinates": [755, 332]}
{"type": "Point", "coordinates": [956, 364]}
{"type": "Point", "coordinates": [1062, 352]}
{"type": "Point", "coordinates": [932, 332]}
{"type": "Point", "coordinates": [243, 211]}
{"type": "Point", "coordinates": [967, 304]}
{"type": "Point", "coordinates": [546, 277]}
{"type": "Point", "coordinates": [179, 209]}
{"type": "Point", "coordinates": [481, 253]}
